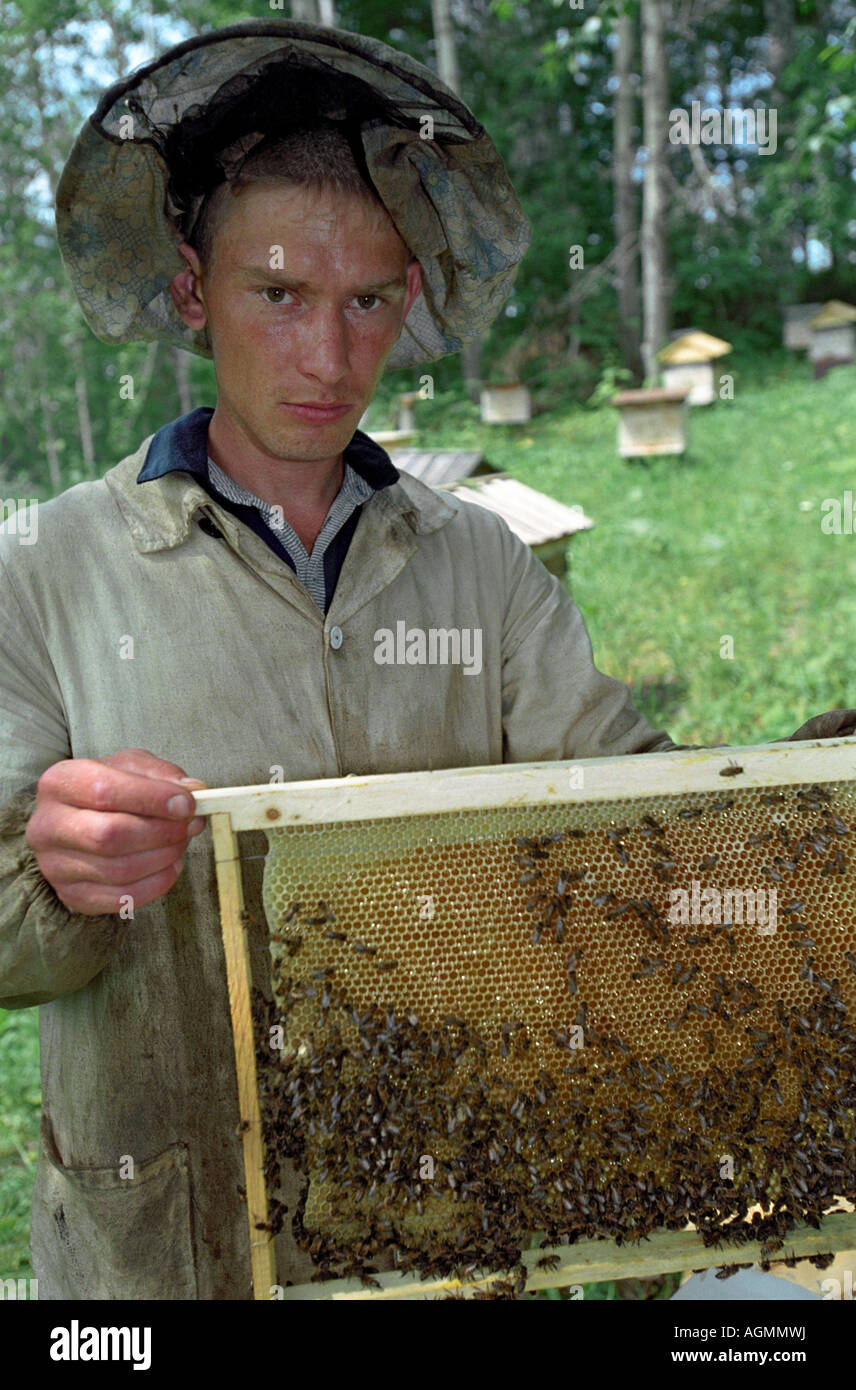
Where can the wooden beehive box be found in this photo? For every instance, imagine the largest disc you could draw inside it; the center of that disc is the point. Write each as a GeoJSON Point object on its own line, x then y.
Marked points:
{"type": "Point", "coordinates": [544, 524]}
{"type": "Point", "coordinates": [547, 526]}
{"type": "Point", "coordinates": [687, 365]}
{"type": "Point", "coordinates": [651, 421]}
{"type": "Point", "coordinates": [796, 328]}
{"type": "Point", "coordinates": [506, 403]}
{"type": "Point", "coordinates": [833, 340]}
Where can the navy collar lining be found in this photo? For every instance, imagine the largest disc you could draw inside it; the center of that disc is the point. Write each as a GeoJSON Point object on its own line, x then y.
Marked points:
{"type": "Point", "coordinates": [183, 444]}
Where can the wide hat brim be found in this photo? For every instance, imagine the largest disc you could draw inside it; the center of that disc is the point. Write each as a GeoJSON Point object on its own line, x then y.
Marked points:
{"type": "Point", "coordinates": [449, 196]}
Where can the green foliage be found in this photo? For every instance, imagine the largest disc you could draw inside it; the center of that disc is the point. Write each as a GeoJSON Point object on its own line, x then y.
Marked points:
{"type": "Point", "coordinates": [612, 380]}
{"type": "Point", "coordinates": [737, 249]}
{"type": "Point", "coordinates": [725, 540]}
{"type": "Point", "coordinates": [19, 1127]}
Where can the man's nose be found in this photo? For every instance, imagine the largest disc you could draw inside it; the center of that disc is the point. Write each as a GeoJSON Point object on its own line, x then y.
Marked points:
{"type": "Point", "coordinates": [323, 348]}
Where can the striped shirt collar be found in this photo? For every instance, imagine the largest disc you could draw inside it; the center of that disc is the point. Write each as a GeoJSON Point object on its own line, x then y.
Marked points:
{"type": "Point", "coordinates": [309, 568]}
{"type": "Point", "coordinates": [367, 469]}
{"type": "Point", "coordinates": [355, 489]}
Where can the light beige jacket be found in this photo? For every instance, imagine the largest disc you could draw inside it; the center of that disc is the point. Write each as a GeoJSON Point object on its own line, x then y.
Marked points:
{"type": "Point", "coordinates": [128, 626]}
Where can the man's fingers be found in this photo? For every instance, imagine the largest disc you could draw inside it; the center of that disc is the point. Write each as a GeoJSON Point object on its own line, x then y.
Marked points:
{"type": "Point", "coordinates": [142, 761]}
{"type": "Point", "coordinates": [57, 827]}
{"type": "Point", "coordinates": [108, 829]}
{"type": "Point", "coordinates": [93, 785]}
{"type": "Point", "coordinates": [95, 900]}
{"type": "Point", "coordinates": [66, 867]}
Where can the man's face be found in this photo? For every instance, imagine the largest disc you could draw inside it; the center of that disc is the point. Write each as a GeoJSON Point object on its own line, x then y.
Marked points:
{"type": "Point", "coordinates": [298, 350]}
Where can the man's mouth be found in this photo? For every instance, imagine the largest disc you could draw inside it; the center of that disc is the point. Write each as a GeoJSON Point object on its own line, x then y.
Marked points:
{"type": "Point", "coordinates": [318, 413]}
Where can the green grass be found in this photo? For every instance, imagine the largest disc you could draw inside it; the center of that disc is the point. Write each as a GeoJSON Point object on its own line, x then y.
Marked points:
{"type": "Point", "coordinates": [20, 1100]}
{"type": "Point", "coordinates": [723, 541]}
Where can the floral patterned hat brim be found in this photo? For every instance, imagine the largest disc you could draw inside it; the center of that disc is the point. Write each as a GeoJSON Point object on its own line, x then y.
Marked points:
{"type": "Point", "coordinates": [449, 195]}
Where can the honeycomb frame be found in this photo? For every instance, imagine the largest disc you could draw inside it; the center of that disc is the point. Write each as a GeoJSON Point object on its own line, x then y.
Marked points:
{"type": "Point", "coordinates": [571, 833]}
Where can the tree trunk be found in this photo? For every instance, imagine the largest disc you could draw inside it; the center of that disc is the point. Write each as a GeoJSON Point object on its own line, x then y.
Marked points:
{"type": "Point", "coordinates": [629, 308]}
{"type": "Point", "coordinates": [779, 23]}
{"type": "Point", "coordinates": [444, 37]}
{"type": "Point", "coordinates": [51, 449]}
{"type": "Point", "coordinates": [315, 11]}
{"type": "Point", "coordinates": [141, 389]}
{"type": "Point", "coordinates": [181, 372]}
{"type": "Point", "coordinates": [655, 286]}
{"type": "Point", "coordinates": [447, 68]}
{"type": "Point", "coordinates": [84, 420]}
{"type": "Point", "coordinates": [117, 48]}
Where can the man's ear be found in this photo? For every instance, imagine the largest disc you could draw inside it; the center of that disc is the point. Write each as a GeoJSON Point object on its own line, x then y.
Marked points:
{"type": "Point", "coordinates": [414, 285]}
{"type": "Point", "coordinates": [185, 289]}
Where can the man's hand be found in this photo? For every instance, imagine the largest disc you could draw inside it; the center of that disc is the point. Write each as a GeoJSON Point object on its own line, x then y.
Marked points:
{"type": "Point", "coordinates": [107, 827]}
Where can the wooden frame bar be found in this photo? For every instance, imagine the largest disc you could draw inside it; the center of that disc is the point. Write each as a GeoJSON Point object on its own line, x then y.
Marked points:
{"type": "Point", "coordinates": [272, 806]}
{"type": "Point", "coordinates": [593, 1261]}
{"type": "Point", "coordinates": [231, 895]}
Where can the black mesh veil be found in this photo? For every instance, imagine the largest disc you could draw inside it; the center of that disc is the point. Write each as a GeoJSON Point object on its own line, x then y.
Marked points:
{"type": "Point", "coordinates": [212, 142]}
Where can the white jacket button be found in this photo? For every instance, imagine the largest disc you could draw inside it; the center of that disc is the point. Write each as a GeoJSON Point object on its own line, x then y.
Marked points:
{"type": "Point", "coordinates": [335, 638]}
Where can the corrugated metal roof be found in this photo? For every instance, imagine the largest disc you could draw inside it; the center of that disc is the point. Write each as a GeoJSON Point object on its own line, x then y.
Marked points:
{"type": "Point", "coordinates": [441, 466]}
{"type": "Point", "coordinates": [533, 516]}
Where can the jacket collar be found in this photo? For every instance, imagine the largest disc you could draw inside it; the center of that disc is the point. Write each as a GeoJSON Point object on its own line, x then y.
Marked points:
{"type": "Point", "coordinates": [184, 444]}
{"type": "Point", "coordinates": [171, 461]}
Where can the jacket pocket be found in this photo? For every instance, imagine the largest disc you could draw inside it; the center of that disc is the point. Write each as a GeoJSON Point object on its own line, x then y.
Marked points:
{"type": "Point", "coordinates": [96, 1234]}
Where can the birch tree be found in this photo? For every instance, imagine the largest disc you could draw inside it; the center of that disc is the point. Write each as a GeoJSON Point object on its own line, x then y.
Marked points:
{"type": "Point", "coordinates": [626, 233]}
{"type": "Point", "coordinates": [655, 288]}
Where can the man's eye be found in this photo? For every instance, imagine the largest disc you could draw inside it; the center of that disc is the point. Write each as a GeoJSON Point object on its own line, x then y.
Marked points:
{"type": "Point", "coordinates": [367, 301]}
{"type": "Point", "coordinates": [275, 290]}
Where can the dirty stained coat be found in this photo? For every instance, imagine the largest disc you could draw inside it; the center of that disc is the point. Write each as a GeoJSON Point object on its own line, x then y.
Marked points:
{"type": "Point", "coordinates": [232, 672]}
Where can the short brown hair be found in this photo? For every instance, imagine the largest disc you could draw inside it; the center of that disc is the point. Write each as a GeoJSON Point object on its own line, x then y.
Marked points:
{"type": "Point", "coordinates": [321, 157]}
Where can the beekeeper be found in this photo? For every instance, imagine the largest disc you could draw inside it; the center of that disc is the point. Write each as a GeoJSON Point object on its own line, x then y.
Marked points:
{"type": "Point", "coordinates": [306, 207]}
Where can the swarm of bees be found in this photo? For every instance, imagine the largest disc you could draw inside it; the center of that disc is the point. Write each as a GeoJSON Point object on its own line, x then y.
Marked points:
{"type": "Point", "coordinates": [494, 1032]}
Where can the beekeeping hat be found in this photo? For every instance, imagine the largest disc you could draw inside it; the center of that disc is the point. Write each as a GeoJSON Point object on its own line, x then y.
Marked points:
{"type": "Point", "coordinates": [163, 137]}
